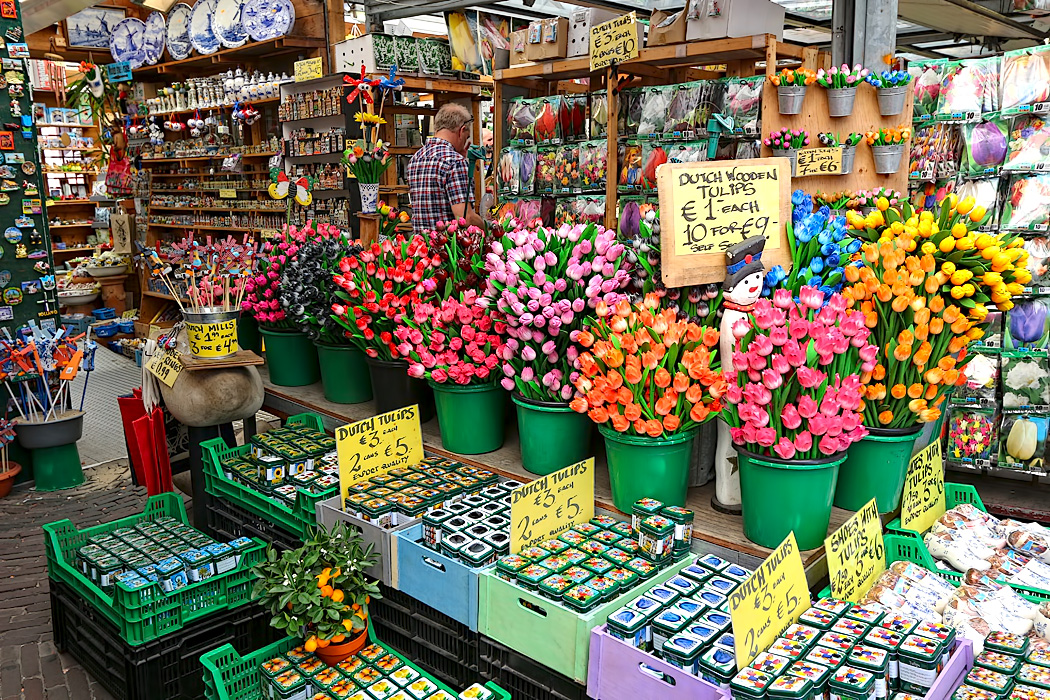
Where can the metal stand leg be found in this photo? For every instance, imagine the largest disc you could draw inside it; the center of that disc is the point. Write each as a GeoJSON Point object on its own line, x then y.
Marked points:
{"type": "Point", "coordinates": [200, 496]}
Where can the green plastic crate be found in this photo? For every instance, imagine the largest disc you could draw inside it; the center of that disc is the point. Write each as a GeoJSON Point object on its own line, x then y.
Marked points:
{"type": "Point", "coordinates": [147, 613]}
{"type": "Point", "coordinates": [299, 520]}
{"type": "Point", "coordinates": [536, 626]}
{"type": "Point", "coordinates": [954, 494]}
{"type": "Point", "coordinates": [230, 676]}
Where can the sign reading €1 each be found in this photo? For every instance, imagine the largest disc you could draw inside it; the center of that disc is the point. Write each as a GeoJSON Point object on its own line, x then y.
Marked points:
{"type": "Point", "coordinates": [818, 161]}
{"type": "Point", "coordinates": [614, 41]}
{"type": "Point", "coordinates": [856, 555]}
{"type": "Point", "coordinates": [707, 207]}
{"type": "Point", "coordinates": [165, 366]}
{"type": "Point", "coordinates": [769, 601]}
{"type": "Point", "coordinates": [212, 339]}
{"type": "Point", "coordinates": [308, 69]}
{"type": "Point", "coordinates": [550, 505]}
{"type": "Point", "coordinates": [227, 194]}
{"type": "Point", "coordinates": [923, 499]}
{"type": "Point", "coordinates": [376, 445]}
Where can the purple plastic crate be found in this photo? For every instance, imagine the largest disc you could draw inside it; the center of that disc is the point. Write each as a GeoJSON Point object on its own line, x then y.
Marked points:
{"type": "Point", "coordinates": [618, 671]}
{"type": "Point", "coordinates": [953, 673]}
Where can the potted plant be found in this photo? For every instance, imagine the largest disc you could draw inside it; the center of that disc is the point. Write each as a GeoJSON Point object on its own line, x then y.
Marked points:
{"type": "Point", "coordinates": [307, 294]}
{"type": "Point", "coordinates": [290, 356]}
{"type": "Point", "coordinates": [841, 85]}
{"type": "Point", "coordinates": [319, 592]}
{"type": "Point", "coordinates": [794, 408]}
{"type": "Point", "coordinates": [456, 345]}
{"type": "Point", "coordinates": [648, 378]}
{"type": "Point", "coordinates": [924, 289]}
{"type": "Point", "coordinates": [887, 147]}
{"type": "Point", "coordinates": [541, 280]}
{"type": "Point", "coordinates": [891, 87]}
{"type": "Point", "coordinates": [791, 88]}
{"type": "Point", "coordinates": [377, 287]}
{"type": "Point", "coordinates": [8, 470]}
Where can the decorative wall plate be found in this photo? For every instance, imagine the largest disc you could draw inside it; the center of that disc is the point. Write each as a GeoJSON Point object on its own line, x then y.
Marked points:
{"type": "Point", "coordinates": [201, 35]}
{"type": "Point", "coordinates": [126, 42]}
{"type": "Point", "coordinates": [29, 167]}
{"type": "Point", "coordinates": [12, 296]}
{"type": "Point", "coordinates": [154, 37]}
{"type": "Point", "coordinates": [12, 234]}
{"type": "Point", "coordinates": [267, 19]}
{"type": "Point", "coordinates": [178, 31]}
{"type": "Point", "coordinates": [226, 23]}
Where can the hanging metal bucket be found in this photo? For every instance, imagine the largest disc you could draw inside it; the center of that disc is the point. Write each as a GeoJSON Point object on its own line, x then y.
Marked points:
{"type": "Point", "coordinates": [887, 158]}
{"type": "Point", "coordinates": [848, 154]}
{"type": "Point", "coordinates": [840, 101]}
{"type": "Point", "coordinates": [789, 153]}
{"type": "Point", "coordinates": [212, 333]}
{"type": "Point", "coordinates": [790, 98]}
{"type": "Point", "coordinates": [891, 99]}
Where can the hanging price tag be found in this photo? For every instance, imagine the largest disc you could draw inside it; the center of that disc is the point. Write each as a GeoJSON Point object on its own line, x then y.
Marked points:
{"type": "Point", "coordinates": [818, 161]}
{"type": "Point", "coordinates": [165, 366]}
{"type": "Point", "coordinates": [550, 505]}
{"type": "Point", "coordinates": [923, 499]}
{"type": "Point", "coordinates": [769, 601]}
{"type": "Point", "coordinates": [856, 554]}
{"type": "Point", "coordinates": [376, 445]}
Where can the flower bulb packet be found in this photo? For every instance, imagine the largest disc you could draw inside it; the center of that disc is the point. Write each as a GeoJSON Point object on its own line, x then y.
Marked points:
{"type": "Point", "coordinates": [1022, 442]}
{"type": "Point", "coordinates": [1025, 80]}
{"type": "Point", "coordinates": [652, 113]}
{"type": "Point", "coordinates": [1025, 380]}
{"type": "Point", "coordinates": [567, 169]}
{"type": "Point", "coordinates": [593, 161]}
{"type": "Point", "coordinates": [743, 102]}
{"type": "Point", "coordinates": [1029, 146]}
{"type": "Point", "coordinates": [1026, 327]}
{"type": "Point", "coordinates": [972, 437]}
{"type": "Point", "coordinates": [1024, 208]}
{"type": "Point", "coordinates": [986, 192]}
{"type": "Point", "coordinates": [985, 146]}
{"type": "Point", "coordinates": [547, 128]}
{"type": "Point", "coordinates": [980, 380]}
{"type": "Point", "coordinates": [521, 122]}
{"type": "Point", "coordinates": [1038, 249]}
{"type": "Point", "coordinates": [926, 87]}
{"type": "Point", "coordinates": [680, 122]}
{"type": "Point", "coordinates": [599, 117]}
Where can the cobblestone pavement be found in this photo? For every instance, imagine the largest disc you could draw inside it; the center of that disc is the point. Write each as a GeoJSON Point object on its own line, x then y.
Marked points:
{"type": "Point", "coordinates": [30, 666]}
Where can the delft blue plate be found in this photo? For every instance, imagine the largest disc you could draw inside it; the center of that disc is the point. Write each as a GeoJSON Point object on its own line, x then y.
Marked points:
{"type": "Point", "coordinates": [201, 35]}
{"type": "Point", "coordinates": [178, 31]}
{"type": "Point", "coordinates": [226, 23]}
{"type": "Point", "coordinates": [126, 42]}
{"type": "Point", "coordinates": [268, 19]}
{"type": "Point", "coordinates": [154, 36]}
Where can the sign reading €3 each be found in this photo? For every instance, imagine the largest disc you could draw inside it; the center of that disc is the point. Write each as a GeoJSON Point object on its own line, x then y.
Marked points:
{"type": "Point", "coordinates": [923, 499]}
{"type": "Point", "coordinates": [376, 445]}
{"type": "Point", "coordinates": [550, 505]}
{"type": "Point", "coordinates": [856, 554]}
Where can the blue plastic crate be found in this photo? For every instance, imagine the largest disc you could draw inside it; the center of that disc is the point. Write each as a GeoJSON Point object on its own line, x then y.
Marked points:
{"type": "Point", "coordinates": [107, 331]}
{"type": "Point", "coordinates": [127, 326]}
{"type": "Point", "coordinates": [105, 313]}
{"type": "Point", "coordinates": [446, 584]}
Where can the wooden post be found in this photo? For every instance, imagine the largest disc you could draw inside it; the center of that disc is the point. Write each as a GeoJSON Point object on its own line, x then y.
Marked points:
{"type": "Point", "coordinates": [369, 229]}
{"type": "Point", "coordinates": [612, 133]}
{"type": "Point", "coordinates": [810, 58]}
{"type": "Point", "coordinates": [479, 171]}
{"type": "Point", "coordinates": [497, 117]}
{"type": "Point", "coordinates": [771, 55]}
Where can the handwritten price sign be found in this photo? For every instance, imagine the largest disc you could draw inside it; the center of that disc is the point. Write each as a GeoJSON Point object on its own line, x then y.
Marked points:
{"type": "Point", "coordinates": [769, 601]}
{"type": "Point", "coordinates": [308, 69]}
{"type": "Point", "coordinates": [165, 366]}
{"type": "Point", "coordinates": [923, 500]}
{"type": "Point", "coordinates": [856, 555]}
{"type": "Point", "coordinates": [614, 41]}
{"type": "Point", "coordinates": [818, 161]}
{"type": "Point", "coordinates": [212, 339]}
{"type": "Point", "coordinates": [376, 445]}
{"type": "Point", "coordinates": [550, 505]}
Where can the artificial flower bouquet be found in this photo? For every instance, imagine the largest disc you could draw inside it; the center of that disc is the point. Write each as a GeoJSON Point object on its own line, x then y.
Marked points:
{"type": "Point", "coordinates": [461, 251]}
{"type": "Point", "coordinates": [924, 290]}
{"type": "Point", "coordinates": [367, 162]}
{"type": "Point", "coordinates": [452, 340]}
{"type": "Point", "coordinates": [894, 136]}
{"type": "Point", "coordinates": [647, 371]}
{"type": "Point", "coordinates": [368, 158]}
{"type": "Point", "coordinates": [308, 289]}
{"type": "Point", "coordinates": [795, 385]}
{"type": "Point", "coordinates": [830, 139]}
{"type": "Point", "coordinates": [542, 280]}
{"type": "Point", "coordinates": [378, 286]}
{"type": "Point", "coordinates": [263, 291]}
{"type": "Point", "coordinates": [837, 78]}
{"type": "Point", "coordinates": [888, 78]}
{"type": "Point", "coordinates": [785, 139]}
{"type": "Point", "coordinates": [797, 77]}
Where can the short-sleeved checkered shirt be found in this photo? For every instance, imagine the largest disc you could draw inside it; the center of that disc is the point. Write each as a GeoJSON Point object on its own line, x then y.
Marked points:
{"type": "Point", "coordinates": [437, 179]}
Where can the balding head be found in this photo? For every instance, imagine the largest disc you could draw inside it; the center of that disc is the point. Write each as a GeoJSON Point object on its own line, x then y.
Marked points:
{"type": "Point", "coordinates": [452, 123]}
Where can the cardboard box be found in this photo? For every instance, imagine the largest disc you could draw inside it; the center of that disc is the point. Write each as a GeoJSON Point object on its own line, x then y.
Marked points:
{"type": "Point", "coordinates": [518, 40]}
{"type": "Point", "coordinates": [735, 18]}
{"type": "Point", "coordinates": [547, 39]}
{"type": "Point", "coordinates": [580, 22]}
{"type": "Point", "coordinates": [667, 27]}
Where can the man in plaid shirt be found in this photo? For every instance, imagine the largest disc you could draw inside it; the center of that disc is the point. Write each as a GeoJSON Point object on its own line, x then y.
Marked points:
{"type": "Point", "coordinates": [438, 179]}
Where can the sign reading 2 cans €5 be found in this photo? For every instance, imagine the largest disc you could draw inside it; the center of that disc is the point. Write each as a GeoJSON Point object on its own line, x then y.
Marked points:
{"type": "Point", "coordinates": [376, 445]}
{"type": "Point", "coordinates": [550, 505]}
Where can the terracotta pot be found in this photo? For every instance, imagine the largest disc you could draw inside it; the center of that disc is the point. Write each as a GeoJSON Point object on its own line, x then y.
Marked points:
{"type": "Point", "coordinates": [334, 653]}
{"type": "Point", "coordinates": [7, 479]}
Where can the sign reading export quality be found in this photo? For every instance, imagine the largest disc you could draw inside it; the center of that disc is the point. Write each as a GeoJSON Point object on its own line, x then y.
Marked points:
{"type": "Point", "coordinates": [614, 41]}
{"type": "Point", "coordinates": [376, 445]}
{"type": "Point", "coordinates": [550, 505]}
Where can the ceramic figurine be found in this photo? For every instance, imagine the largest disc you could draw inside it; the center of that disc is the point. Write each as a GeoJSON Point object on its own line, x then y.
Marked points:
{"type": "Point", "coordinates": [741, 289]}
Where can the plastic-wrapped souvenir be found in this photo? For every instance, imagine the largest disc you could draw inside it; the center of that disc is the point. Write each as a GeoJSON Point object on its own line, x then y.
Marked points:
{"type": "Point", "coordinates": [653, 156]}
{"type": "Point", "coordinates": [1022, 442]}
{"type": "Point", "coordinates": [653, 112]}
{"type": "Point", "coordinates": [1025, 327]}
{"type": "Point", "coordinates": [567, 169]}
{"type": "Point", "coordinates": [521, 121]}
{"type": "Point", "coordinates": [985, 192]}
{"type": "Point", "coordinates": [508, 171]}
{"type": "Point", "coordinates": [984, 146]}
{"type": "Point", "coordinates": [993, 332]}
{"type": "Point", "coordinates": [711, 100]}
{"type": "Point", "coordinates": [748, 148]}
{"type": "Point", "coordinates": [630, 113]}
{"type": "Point", "coordinates": [548, 128]}
{"type": "Point", "coordinates": [547, 207]}
{"type": "Point", "coordinates": [980, 379]}
{"type": "Point", "coordinates": [1029, 144]}
{"type": "Point", "coordinates": [1025, 380]}
{"type": "Point", "coordinates": [1025, 206]}
{"type": "Point", "coordinates": [1025, 78]}
{"type": "Point", "coordinates": [528, 209]}
{"type": "Point", "coordinates": [686, 152]}
{"type": "Point", "coordinates": [972, 437]}
{"type": "Point", "coordinates": [594, 161]}
{"type": "Point", "coordinates": [743, 103]}
{"type": "Point", "coordinates": [929, 195]}
{"type": "Point", "coordinates": [527, 171]}
{"type": "Point", "coordinates": [505, 209]}
{"type": "Point", "coordinates": [681, 112]}
{"type": "Point", "coordinates": [969, 88]}
{"type": "Point", "coordinates": [572, 115]}
{"type": "Point", "coordinates": [599, 118]}
{"type": "Point", "coordinates": [545, 169]}
{"type": "Point", "coordinates": [591, 209]}
{"type": "Point", "coordinates": [926, 86]}
{"type": "Point", "coordinates": [630, 163]}
{"type": "Point", "coordinates": [567, 210]}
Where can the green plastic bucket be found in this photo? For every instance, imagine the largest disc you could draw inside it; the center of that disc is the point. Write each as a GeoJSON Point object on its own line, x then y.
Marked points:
{"type": "Point", "coordinates": [290, 357]}
{"type": "Point", "coordinates": [248, 334]}
{"type": "Point", "coordinates": [344, 374]}
{"type": "Point", "coordinates": [552, 435]}
{"type": "Point", "coordinates": [780, 496]}
{"type": "Point", "coordinates": [876, 467]}
{"type": "Point", "coordinates": [470, 416]}
{"type": "Point", "coordinates": [645, 467]}
{"type": "Point", "coordinates": [57, 468]}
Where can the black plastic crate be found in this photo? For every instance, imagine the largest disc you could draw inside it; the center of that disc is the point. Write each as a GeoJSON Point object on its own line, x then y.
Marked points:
{"type": "Point", "coordinates": [454, 627]}
{"type": "Point", "coordinates": [422, 622]}
{"type": "Point", "coordinates": [168, 668]}
{"type": "Point", "coordinates": [230, 521]}
{"type": "Point", "coordinates": [452, 671]}
{"type": "Point", "coordinates": [522, 677]}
